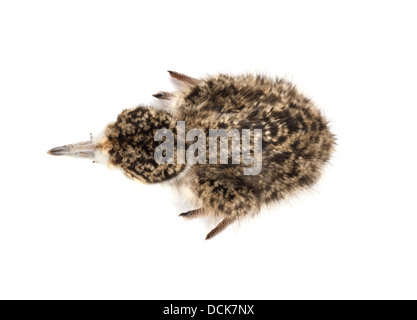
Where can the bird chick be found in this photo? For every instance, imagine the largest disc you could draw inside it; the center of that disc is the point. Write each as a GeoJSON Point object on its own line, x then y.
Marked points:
{"type": "Point", "coordinates": [295, 143]}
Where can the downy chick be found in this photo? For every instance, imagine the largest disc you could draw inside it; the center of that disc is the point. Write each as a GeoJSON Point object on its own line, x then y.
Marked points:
{"type": "Point", "coordinates": [295, 143]}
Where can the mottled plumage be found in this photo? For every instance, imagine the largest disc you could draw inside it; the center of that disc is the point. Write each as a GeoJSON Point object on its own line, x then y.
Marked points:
{"type": "Point", "coordinates": [296, 142]}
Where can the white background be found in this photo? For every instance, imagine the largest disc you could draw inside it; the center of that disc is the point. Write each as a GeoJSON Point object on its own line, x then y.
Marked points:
{"type": "Point", "coordinates": [73, 229]}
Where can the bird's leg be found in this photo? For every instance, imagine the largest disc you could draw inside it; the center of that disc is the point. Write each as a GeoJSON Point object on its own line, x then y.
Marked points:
{"type": "Point", "coordinates": [193, 213]}
{"type": "Point", "coordinates": [225, 195]}
{"type": "Point", "coordinates": [220, 227]}
{"type": "Point", "coordinates": [164, 95]}
{"type": "Point", "coordinates": [183, 78]}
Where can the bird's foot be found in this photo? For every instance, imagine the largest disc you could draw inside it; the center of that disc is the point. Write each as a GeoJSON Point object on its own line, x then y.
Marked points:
{"type": "Point", "coordinates": [163, 95]}
{"type": "Point", "coordinates": [183, 78]}
{"type": "Point", "coordinates": [220, 227]}
{"type": "Point", "coordinates": [193, 213]}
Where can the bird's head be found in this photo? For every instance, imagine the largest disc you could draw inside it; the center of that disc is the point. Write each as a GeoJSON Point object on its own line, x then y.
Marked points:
{"type": "Point", "coordinates": [129, 144]}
